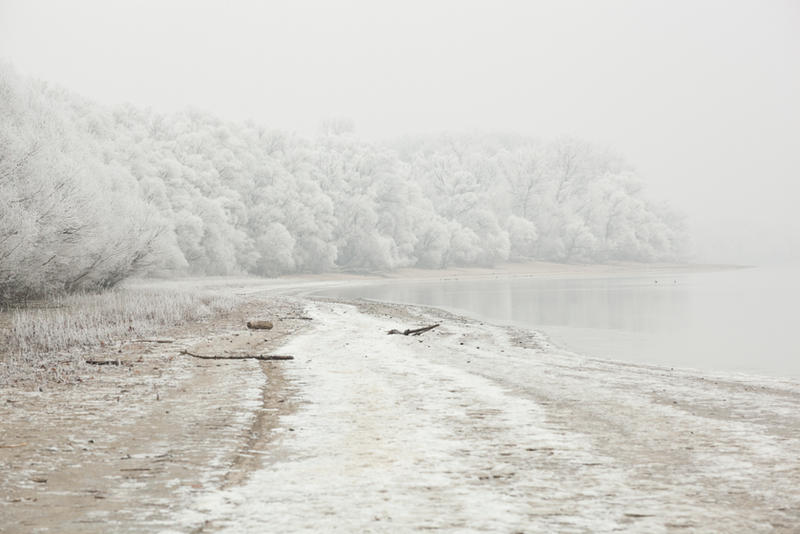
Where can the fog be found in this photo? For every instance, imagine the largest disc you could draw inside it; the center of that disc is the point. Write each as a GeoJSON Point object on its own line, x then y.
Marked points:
{"type": "Point", "coordinates": [699, 97]}
{"type": "Point", "coordinates": [373, 266]}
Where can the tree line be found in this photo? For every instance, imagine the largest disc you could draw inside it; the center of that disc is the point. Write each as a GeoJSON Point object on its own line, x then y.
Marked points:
{"type": "Point", "coordinates": [90, 195]}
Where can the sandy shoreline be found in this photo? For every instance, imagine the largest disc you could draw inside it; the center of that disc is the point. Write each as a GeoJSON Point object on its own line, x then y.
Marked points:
{"type": "Point", "coordinates": [471, 426]}
{"type": "Point", "coordinates": [477, 427]}
{"type": "Point", "coordinates": [303, 284]}
{"type": "Point", "coordinates": [538, 269]}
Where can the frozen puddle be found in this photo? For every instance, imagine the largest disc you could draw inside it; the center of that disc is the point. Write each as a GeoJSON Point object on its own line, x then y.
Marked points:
{"type": "Point", "coordinates": [398, 433]}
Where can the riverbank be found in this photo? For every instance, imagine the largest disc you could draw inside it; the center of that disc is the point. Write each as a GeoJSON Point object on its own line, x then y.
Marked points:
{"type": "Point", "coordinates": [469, 426]}
{"type": "Point", "coordinates": [733, 320]}
{"type": "Point", "coordinates": [529, 269]}
{"type": "Point", "coordinates": [474, 427]}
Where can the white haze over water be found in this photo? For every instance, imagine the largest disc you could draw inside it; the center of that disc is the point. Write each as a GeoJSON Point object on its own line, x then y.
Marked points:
{"type": "Point", "coordinates": [700, 96]}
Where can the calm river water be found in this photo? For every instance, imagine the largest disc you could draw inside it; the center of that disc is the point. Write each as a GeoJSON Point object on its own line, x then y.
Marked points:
{"type": "Point", "coordinates": [743, 320]}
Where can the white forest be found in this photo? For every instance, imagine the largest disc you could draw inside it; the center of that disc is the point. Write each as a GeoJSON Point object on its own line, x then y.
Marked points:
{"type": "Point", "coordinates": [91, 194]}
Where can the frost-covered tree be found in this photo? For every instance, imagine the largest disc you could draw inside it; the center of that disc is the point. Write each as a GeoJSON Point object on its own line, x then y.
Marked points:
{"type": "Point", "coordinates": [69, 220]}
{"type": "Point", "coordinates": [90, 195]}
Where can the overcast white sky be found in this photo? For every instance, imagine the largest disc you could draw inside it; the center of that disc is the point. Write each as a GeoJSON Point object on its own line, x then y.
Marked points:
{"type": "Point", "coordinates": [703, 97]}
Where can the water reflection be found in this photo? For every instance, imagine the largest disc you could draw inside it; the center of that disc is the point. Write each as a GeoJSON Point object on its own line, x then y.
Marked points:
{"type": "Point", "coordinates": [739, 320]}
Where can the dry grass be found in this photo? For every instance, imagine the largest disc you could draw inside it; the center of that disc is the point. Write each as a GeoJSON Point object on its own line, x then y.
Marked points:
{"type": "Point", "coordinates": [44, 343]}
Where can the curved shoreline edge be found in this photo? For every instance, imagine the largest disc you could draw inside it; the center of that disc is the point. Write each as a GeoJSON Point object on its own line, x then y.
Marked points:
{"type": "Point", "coordinates": [613, 428]}
{"type": "Point", "coordinates": [543, 439]}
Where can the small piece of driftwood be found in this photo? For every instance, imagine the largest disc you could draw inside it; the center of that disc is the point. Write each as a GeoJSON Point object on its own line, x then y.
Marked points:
{"type": "Point", "coordinates": [240, 356]}
{"type": "Point", "coordinates": [153, 341]}
{"type": "Point", "coordinates": [259, 325]}
{"type": "Point", "coordinates": [103, 362]}
{"type": "Point", "coordinates": [12, 446]}
{"type": "Point", "coordinates": [413, 332]}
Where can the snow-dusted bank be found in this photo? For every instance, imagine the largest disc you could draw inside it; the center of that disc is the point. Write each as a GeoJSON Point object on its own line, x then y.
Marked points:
{"type": "Point", "coordinates": [475, 427]}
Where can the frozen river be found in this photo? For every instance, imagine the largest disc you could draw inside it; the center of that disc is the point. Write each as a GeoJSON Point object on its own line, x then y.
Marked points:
{"type": "Point", "coordinates": [741, 320]}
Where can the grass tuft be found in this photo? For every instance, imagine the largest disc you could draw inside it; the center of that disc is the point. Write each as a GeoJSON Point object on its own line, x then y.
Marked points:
{"type": "Point", "coordinates": [43, 343]}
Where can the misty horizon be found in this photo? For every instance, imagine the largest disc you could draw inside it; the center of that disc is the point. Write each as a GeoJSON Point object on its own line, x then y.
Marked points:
{"type": "Point", "coordinates": [697, 97]}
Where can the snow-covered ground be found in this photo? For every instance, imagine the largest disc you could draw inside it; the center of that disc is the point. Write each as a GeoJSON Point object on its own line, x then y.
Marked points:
{"type": "Point", "coordinates": [474, 427]}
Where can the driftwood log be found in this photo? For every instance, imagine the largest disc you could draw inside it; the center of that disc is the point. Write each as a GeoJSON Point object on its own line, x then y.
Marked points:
{"type": "Point", "coordinates": [413, 332]}
{"type": "Point", "coordinates": [240, 356]}
{"type": "Point", "coordinates": [259, 325]}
